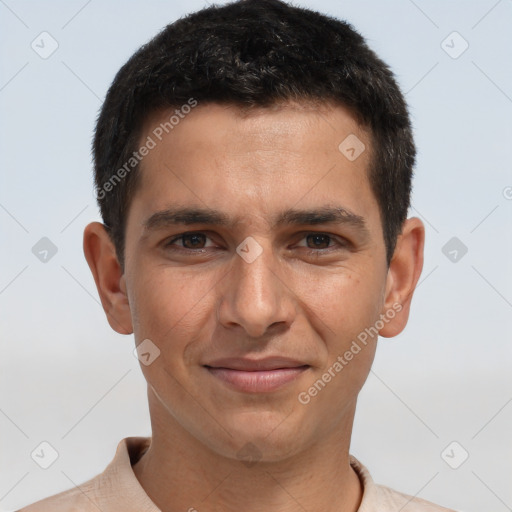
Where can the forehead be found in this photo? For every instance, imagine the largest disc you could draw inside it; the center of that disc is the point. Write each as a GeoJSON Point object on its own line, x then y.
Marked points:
{"type": "Point", "coordinates": [282, 127]}
{"type": "Point", "coordinates": [254, 162]}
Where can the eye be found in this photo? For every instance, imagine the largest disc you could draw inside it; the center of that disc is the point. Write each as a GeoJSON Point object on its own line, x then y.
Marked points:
{"type": "Point", "coordinates": [315, 243]}
{"type": "Point", "coordinates": [190, 241]}
{"type": "Point", "coordinates": [322, 241]}
{"type": "Point", "coordinates": [318, 241]}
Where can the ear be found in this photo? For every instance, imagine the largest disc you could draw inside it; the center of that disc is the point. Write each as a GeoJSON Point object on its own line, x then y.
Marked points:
{"type": "Point", "coordinates": [101, 256]}
{"type": "Point", "coordinates": [403, 274]}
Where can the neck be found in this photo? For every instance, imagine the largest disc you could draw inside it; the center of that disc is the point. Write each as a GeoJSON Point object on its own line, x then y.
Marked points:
{"type": "Point", "coordinates": [181, 474]}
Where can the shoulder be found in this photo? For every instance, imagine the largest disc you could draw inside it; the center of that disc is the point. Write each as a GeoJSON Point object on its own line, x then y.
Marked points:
{"type": "Point", "coordinates": [395, 500]}
{"type": "Point", "coordinates": [379, 498]}
{"type": "Point", "coordinates": [72, 500]}
{"type": "Point", "coordinates": [117, 488]}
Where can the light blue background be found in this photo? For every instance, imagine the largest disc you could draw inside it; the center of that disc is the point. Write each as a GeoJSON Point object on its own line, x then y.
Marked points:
{"type": "Point", "coordinates": [67, 378]}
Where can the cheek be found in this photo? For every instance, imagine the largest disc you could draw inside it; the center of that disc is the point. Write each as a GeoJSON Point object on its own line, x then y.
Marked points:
{"type": "Point", "coordinates": [350, 305]}
{"type": "Point", "coordinates": [345, 302]}
{"type": "Point", "coordinates": [168, 306]}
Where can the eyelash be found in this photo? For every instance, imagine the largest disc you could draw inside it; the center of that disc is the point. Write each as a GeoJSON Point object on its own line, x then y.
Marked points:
{"type": "Point", "coordinates": [344, 244]}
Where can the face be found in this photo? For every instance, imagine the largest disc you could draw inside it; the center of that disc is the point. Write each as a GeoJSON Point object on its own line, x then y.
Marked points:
{"type": "Point", "coordinates": [254, 260]}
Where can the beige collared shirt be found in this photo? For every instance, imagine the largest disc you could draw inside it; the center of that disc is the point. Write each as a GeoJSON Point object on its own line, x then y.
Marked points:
{"type": "Point", "coordinates": [118, 490]}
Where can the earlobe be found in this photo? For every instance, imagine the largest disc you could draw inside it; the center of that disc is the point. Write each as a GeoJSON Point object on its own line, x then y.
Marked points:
{"type": "Point", "coordinates": [403, 275]}
{"type": "Point", "coordinates": [101, 257]}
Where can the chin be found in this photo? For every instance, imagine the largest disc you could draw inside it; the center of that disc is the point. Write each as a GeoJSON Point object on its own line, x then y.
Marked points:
{"type": "Point", "coordinates": [264, 436]}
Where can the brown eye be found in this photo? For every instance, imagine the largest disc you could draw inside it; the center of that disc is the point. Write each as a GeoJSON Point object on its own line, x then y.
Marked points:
{"type": "Point", "coordinates": [189, 241]}
{"type": "Point", "coordinates": [318, 241]}
{"type": "Point", "coordinates": [193, 240]}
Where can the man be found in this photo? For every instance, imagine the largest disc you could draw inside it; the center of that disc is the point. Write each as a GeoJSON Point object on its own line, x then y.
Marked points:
{"type": "Point", "coordinates": [253, 167]}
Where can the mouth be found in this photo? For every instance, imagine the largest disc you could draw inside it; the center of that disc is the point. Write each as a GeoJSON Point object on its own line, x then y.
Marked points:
{"type": "Point", "coordinates": [256, 375]}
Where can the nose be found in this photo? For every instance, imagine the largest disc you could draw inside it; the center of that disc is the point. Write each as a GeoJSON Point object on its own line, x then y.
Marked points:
{"type": "Point", "coordinates": [255, 296]}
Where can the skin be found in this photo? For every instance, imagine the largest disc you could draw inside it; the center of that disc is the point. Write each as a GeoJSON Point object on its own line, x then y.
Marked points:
{"type": "Point", "coordinates": [303, 297]}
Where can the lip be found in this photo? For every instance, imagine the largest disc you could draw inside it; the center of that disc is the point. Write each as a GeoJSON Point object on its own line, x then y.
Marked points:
{"type": "Point", "coordinates": [248, 364]}
{"type": "Point", "coordinates": [256, 375]}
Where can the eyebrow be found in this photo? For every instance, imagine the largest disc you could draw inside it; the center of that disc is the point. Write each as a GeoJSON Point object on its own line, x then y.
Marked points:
{"type": "Point", "coordinates": [188, 216]}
